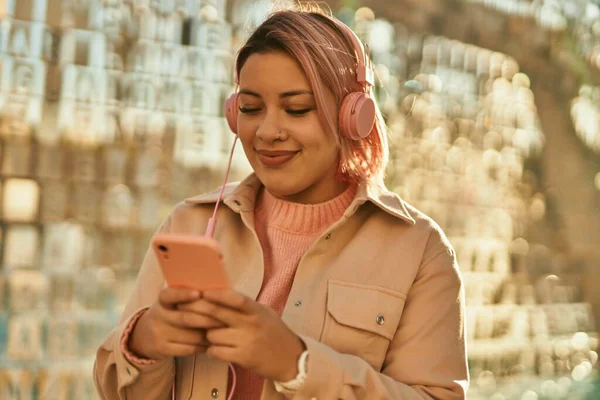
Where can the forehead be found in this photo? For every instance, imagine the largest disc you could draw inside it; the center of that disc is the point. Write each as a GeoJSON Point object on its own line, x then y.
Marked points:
{"type": "Point", "coordinates": [273, 71]}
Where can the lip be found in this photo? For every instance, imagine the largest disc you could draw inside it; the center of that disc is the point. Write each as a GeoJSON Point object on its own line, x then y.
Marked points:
{"type": "Point", "coordinates": [273, 158]}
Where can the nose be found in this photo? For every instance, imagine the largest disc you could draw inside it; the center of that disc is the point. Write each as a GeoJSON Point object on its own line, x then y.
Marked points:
{"type": "Point", "coordinates": [269, 128]}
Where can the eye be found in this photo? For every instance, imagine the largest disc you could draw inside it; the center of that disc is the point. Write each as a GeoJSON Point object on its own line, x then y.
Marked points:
{"type": "Point", "coordinates": [247, 110]}
{"type": "Point", "coordinates": [299, 112]}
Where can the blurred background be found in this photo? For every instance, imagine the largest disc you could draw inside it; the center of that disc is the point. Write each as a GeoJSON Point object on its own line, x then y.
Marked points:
{"type": "Point", "coordinates": [111, 112]}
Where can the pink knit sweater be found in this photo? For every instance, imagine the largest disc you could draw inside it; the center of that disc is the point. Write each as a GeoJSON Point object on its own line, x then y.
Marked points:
{"type": "Point", "coordinates": [285, 231]}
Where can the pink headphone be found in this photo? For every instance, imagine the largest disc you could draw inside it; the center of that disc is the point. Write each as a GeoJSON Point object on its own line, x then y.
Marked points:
{"type": "Point", "coordinates": [357, 113]}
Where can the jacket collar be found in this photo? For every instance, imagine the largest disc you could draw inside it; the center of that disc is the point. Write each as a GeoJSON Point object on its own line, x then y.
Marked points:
{"type": "Point", "coordinates": [242, 196]}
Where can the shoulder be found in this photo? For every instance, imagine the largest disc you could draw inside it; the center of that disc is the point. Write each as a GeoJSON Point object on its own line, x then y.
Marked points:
{"type": "Point", "coordinates": [437, 243]}
{"type": "Point", "coordinates": [421, 227]}
{"type": "Point", "coordinates": [191, 214]}
{"type": "Point", "coordinates": [243, 192]}
{"type": "Point", "coordinates": [212, 196]}
{"type": "Point", "coordinates": [412, 224]}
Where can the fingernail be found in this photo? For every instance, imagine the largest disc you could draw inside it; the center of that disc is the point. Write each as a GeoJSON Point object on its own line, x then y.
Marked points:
{"type": "Point", "coordinates": [195, 294]}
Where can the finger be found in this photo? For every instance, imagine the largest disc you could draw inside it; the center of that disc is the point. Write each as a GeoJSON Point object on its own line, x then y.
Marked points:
{"type": "Point", "coordinates": [227, 337]}
{"type": "Point", "coordinates": [203, 344]}
{"type": "Point", "coordinates": [192, 337]}
{"type": "Point", "coordinates": [224, 353]}
{"type": "Point", "coordinates": [171, 296]}
{"type": "Point", "coordinates": [206, 321]}
{"type": "Point", "coordinates": [223, 314]}
{"type": "Point", "coordinates": [232, 299]}
{"type": "Point", "coordinates": [190, 320]}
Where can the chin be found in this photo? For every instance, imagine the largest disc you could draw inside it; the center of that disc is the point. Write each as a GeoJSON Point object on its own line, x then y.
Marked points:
{"type": "Point", "coordinates": [284, 189]}
{"type": "Point", "coordinates": [282, 186]}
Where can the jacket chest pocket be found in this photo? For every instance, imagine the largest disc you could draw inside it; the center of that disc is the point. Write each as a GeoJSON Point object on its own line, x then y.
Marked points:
{"type": "Point", "coordinates": [361, 320]}
{"type": "Point", "coordinates": [200, 377]}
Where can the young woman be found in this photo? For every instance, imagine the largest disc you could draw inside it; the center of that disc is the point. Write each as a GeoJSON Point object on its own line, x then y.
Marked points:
{"type": "Point", "coordinates": [341, 290]}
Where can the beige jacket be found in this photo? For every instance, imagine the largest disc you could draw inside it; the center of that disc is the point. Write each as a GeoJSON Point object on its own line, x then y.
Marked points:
{"type": "Point", "coordinates": [378, 299]}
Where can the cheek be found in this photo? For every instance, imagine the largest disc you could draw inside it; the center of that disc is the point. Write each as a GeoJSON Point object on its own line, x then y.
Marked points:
{"type": "Point", "coordinates": [245, 129]}
{"type": "Point", "coordinates": [248, 147]}
{"type": "Point", "coordinates": [246, 137]}
{"type": "Point", "coordinates": [323, 152]}
{"type": "Point", "coordinates": [318, 134]}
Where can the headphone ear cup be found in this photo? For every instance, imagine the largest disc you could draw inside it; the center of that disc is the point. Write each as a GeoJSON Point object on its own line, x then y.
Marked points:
{"type": "Point", "coordinates": [231, 112]}
{"type": "Point", "coordinates": [357, 115]}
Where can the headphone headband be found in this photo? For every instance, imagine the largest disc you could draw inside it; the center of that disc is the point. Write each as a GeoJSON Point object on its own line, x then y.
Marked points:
{"type": "Point", "coordinates": [364, 72]}
{"type": "Point", "coordinates": [358, 111]}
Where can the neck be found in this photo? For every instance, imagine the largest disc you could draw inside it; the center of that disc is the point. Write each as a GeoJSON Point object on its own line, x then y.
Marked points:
{"type": "Point", "coordinates": [317, 193]}
{"type": "Point", "coordinates": [305, 219]}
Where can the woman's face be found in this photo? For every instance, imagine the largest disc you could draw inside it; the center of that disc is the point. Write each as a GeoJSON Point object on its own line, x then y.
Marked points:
{"type": "Point", "coordinates": [278, 124]}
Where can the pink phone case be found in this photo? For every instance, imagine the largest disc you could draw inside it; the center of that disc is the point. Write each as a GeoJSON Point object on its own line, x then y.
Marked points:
{"type": "Point", "coordinates": [189, 261]}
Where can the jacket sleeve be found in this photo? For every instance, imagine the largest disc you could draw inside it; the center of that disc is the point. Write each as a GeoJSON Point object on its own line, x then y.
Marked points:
{"type": "Point", "coordinates": [115, 377]}
{"type": "Point", "coordinates": [426, 358]}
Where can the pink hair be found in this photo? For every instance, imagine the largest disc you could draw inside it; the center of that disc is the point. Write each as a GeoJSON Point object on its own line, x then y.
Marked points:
{"type": "Point", "coordinates": [329, 61]}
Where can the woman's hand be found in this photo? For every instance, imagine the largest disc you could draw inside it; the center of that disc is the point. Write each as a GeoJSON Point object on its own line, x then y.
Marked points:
{"type": "Point", "coordinates": [165, 330]}
{"type": "Point", "coordinates": [254, 336]}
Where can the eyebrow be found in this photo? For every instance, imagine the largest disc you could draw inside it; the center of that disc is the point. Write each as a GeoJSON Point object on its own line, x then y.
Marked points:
{"type": "Point", "coordinates": [282, 95]}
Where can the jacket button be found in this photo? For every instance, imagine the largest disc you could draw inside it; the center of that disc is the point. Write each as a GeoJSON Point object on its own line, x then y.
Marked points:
{"type": "Point", "coordinates": [298, 303]}
{"type": "Point", "coordinates": [380, 319]}
{"type": "Point", "coordinates": [328, 236]}
{"type": "Point", "coordinates": [215, 393]}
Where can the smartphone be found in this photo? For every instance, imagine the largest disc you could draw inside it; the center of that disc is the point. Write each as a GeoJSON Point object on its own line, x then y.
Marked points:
{"type": "Point", "coordinates": [190, 261]}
